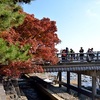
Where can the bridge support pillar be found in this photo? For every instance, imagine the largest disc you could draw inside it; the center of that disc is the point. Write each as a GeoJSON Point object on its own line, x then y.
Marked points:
{"type": "Point", "coordinates": [79, 82]}
{"type": "Point", "coordinates": [60, 77]}
{"type": "Point", "coordinates": [99, 81]}
{"type": "Point", "coordinates": [68, 81]}
{"type": "Point", "coordinates": [94, 86]}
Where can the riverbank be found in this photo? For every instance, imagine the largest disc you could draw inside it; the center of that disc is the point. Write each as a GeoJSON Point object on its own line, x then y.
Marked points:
{"type": "Point", "coordinates": [55, 87]}
{"type": "Point", "coordinates": [62, 92]}
{"type": "Point", "coordinates": [49, 77]}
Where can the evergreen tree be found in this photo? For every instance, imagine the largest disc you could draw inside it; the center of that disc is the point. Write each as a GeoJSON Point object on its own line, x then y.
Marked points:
{"type": "Point", "coordinates": [10, 14]}
{"type": "Point", "coordinates": [22, 1]}
{"type": "Point", "coordinates": [24, 39]}
{"type": "Point", "coordinates": [10, 53]}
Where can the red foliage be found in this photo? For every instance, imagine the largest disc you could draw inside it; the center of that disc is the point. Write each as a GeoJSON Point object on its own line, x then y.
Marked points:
{"type": "Point", "coordinates": [14, 69]}
{"type": "Point", "coordinates": [42, 37]}
{"type": "Point", "coordinates": [10, 36]}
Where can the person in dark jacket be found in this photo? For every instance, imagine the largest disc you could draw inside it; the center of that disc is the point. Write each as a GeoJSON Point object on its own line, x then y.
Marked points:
{"type": "Point", "coordinates": [63, 55]}
{"type": "Point", "coordinates": [81, 53]}
{"type": "Point", "coordinates": [67, 51]}
{"type": "Point", "coordinates": [72, 54]}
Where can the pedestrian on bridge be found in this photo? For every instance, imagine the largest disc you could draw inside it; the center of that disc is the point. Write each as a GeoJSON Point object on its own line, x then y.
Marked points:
{"type": "Point", "coordinates": [63, 55]}
{"type": "Point", "coordinates": [72, 54]}
{"type": "Point", "coordinates": [81, 53]}
{"type": "Point", "coordinates": [67, 51]}
{"type": "Point", "coordinates": [90, 55]}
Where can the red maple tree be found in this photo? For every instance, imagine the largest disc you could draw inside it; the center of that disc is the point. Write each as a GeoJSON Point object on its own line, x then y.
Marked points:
{"type": "Point", "coordinates": [41, 35]}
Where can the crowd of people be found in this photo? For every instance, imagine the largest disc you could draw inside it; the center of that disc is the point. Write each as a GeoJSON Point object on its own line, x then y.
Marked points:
{"type": "Point", "coordinates": [69, 54]}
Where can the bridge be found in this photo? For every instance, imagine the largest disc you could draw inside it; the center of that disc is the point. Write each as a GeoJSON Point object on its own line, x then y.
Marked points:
{"type": "Point", "coordinates": [74, 63]}
{"type": "Point", "coordinates": [88, 65]}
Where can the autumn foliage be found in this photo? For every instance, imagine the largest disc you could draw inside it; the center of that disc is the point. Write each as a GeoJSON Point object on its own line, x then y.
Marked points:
{"type": "Point", "coordinates": [41, 35]}
{"type": "Point", "coordinates": [42, 38]}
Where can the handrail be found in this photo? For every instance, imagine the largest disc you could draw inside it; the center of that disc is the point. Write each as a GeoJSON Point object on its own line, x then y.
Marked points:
{"type": "Point", "coordinates": [87, 57]}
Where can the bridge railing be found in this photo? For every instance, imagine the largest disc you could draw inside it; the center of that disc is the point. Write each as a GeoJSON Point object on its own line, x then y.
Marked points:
{"type": "Point", "coordinates": [75, 57]}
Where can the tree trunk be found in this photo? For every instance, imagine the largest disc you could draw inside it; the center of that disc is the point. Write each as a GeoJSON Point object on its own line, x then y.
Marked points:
{"type": "Point", "coordinates": [15, 84]}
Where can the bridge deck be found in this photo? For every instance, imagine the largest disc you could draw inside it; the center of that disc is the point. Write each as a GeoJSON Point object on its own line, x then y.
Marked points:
{"type": "Point", "coordinates": [73, 66]}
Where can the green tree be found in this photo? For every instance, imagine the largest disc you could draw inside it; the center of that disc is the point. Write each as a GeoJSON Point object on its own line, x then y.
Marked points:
{"type": "Point", "coordinates": [12, 55]}
{"type": "Point", "coordinates": [12, 52]}
{"type": "Point", "coordinates": [10, 14]}
{"type": "Point", "coordinates": [22, 1]}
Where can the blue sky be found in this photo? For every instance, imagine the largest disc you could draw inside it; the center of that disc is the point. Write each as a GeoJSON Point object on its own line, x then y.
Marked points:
{"type": "Point", "coordinates": [77, 21]}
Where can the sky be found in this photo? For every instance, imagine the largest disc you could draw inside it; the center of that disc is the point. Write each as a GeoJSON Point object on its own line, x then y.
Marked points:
{"type": "Point", "coordinates": [77, 21]}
